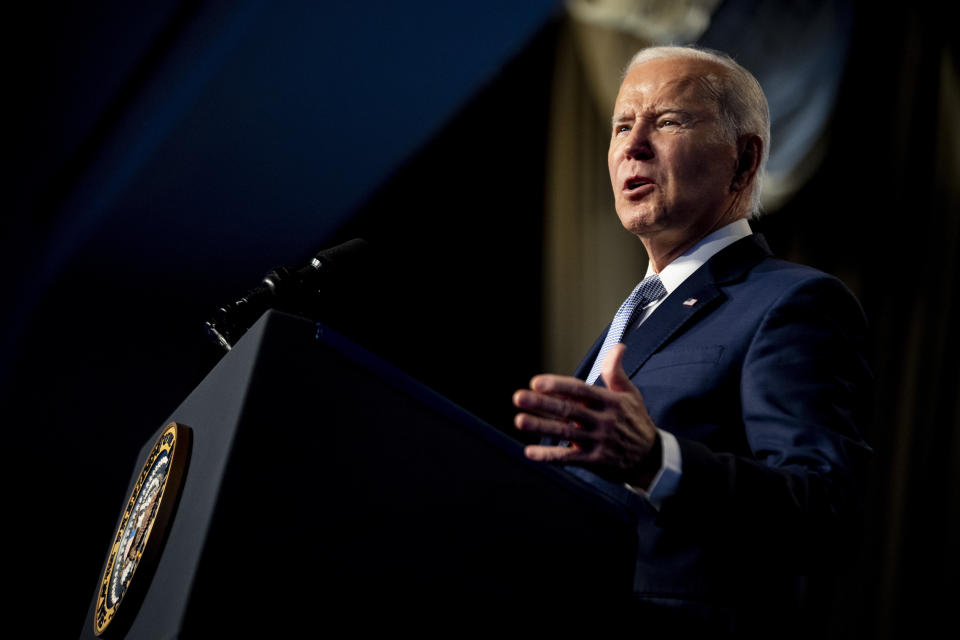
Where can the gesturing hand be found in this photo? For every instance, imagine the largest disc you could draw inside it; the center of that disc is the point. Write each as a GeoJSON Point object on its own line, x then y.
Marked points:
{"type": "Point", "coordinates": [611, 432]}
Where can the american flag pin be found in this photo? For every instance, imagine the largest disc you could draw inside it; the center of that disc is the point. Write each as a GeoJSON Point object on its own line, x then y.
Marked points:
{"type": "Point", "coordinates": [689, 302]}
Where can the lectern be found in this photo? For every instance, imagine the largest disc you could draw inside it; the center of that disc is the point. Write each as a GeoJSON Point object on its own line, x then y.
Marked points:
{"type": "Point", "coordinates": [325, 486]}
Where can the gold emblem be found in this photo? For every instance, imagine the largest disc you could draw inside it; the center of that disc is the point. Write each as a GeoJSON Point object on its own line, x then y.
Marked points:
{"type": "Point", "coordinates": [144, 522]}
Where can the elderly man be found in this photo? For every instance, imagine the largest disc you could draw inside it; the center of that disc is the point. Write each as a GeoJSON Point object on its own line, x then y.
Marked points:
{"type": "Point", "coordinates": [722, 402]}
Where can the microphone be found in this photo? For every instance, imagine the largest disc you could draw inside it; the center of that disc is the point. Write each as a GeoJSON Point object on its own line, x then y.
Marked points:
{"type": "Point", "coordinates": [286, 289]}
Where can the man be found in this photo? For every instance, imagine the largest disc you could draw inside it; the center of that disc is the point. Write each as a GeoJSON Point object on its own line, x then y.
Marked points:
{"type": "Point", "coordinates": [722, 403]}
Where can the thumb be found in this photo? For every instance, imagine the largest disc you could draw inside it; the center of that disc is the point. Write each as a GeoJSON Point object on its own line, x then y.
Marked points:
{"type": "Point", "coordinates": [612, 372]}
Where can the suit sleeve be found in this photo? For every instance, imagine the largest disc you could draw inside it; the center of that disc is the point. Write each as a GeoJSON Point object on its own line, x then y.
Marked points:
{"type": "Point", "coordinates": [804, 390]}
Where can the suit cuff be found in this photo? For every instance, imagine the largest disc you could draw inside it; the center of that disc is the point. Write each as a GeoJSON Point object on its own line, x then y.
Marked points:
{"type": "Point", "coordinates": [667, 479]}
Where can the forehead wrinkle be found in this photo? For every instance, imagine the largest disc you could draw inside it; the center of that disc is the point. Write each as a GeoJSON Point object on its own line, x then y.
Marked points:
{"type": "Point", "coordinates": [680, 86]}
{"type": "Point", "coordinates": [668, 94]}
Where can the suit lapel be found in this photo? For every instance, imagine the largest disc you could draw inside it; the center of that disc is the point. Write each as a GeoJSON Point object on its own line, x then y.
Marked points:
{"type": "Point", "coordinates": [668, 319]}
{"type": "Point", "coordinates": [696, 297]}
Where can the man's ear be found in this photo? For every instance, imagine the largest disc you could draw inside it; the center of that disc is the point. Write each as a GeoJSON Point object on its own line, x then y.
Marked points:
{"type": "Point", "coordinates": [749, 152]}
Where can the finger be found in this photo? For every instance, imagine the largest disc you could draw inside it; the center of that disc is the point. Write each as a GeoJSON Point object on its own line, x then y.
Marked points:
{"type": "Point", "coordinates": [561, 408]}
{"type": "Point", "coordinates": [612, 370]}
{"type": "Point", "coordinates": [542, 453]}
{"type": "Point", "coordinates": [567, 386]}
{"type": "Point", "coordinates": [551, 428]}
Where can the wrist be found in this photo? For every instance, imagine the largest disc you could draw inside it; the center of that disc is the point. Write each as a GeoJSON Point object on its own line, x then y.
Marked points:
{"type": "Point", "coordinates": [648, 468]}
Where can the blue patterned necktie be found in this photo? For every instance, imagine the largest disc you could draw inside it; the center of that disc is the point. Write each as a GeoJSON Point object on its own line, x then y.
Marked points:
{"type": "Point", "coordinates": [649, 290]}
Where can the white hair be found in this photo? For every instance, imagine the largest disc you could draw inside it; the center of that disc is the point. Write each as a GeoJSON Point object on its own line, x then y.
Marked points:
{"type": "Point", "coordinates": [743, 105]}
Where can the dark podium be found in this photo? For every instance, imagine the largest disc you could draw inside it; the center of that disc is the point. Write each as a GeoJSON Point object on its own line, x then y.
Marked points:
{"type": "Point", "coordinates": [325, 486]}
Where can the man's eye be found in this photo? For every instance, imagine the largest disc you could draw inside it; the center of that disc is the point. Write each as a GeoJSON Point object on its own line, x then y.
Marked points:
{"type": "Point", "coordinates": [666, 122]}
{"type": "Point", "coordinates": [622, 128]}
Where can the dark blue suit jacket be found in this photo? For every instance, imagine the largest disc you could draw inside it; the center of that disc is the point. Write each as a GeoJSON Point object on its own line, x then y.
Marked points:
{"type": "Point", "coordinates": [761, 378]}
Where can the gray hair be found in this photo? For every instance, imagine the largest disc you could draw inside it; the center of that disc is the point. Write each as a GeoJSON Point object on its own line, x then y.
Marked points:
{"type": "Point", "coordinates": [743, 105]}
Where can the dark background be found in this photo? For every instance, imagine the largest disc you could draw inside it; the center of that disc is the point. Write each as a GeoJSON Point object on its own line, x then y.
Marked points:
{"type": "Point", "coordinates": [166, 155]}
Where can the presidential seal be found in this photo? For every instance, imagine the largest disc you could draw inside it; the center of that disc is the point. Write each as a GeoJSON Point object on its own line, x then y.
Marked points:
{"type": "Point", "coordinates": [143, 524]}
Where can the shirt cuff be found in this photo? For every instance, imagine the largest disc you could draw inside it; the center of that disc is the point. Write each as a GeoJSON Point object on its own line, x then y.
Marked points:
{"type": "Point", "coordinates": [667, 479]}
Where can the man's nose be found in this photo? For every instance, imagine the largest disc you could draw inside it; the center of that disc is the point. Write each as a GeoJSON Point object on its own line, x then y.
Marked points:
{"type": "Point", "coordinates": [638, 144]}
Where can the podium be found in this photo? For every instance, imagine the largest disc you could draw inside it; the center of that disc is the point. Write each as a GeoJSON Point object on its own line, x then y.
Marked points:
{"type": "Point", "coordinates": [324, 484]}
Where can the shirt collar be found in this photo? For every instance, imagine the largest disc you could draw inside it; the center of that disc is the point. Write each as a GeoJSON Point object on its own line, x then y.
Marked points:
{"type": "Point", "coordinates": [673, 275]}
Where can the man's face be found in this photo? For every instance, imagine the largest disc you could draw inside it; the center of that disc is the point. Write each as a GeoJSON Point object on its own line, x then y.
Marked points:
{"type": "Point", "coordinates": [670, 163]}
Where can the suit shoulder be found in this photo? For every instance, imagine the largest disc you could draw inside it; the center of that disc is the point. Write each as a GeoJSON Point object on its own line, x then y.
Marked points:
{"type": "Point", "coordinates": [784, 276]}
{"type": "Point", "coordinates": [794, 293]}
{"type": "Point", "coordinates": [789, 271]}
{"type": "Point", "coordinates": [749, 261]}
{"type": "Point", "coordinates": [774, 287]}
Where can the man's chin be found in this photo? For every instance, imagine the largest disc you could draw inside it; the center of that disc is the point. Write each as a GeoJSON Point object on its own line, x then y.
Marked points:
{"type": "Point", "coordinates": [643, 224]}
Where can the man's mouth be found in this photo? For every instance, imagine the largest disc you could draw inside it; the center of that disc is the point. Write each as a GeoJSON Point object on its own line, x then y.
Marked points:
{"type": "Point", "coordinates": [636, 183]}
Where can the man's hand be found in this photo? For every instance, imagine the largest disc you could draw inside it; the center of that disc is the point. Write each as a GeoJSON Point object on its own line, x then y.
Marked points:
{"type": "Point", "coordinates": [610, 429]}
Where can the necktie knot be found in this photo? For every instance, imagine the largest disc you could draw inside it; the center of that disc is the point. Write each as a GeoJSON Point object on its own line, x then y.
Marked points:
{"type": "Point", "coordinates": [649, 290]}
